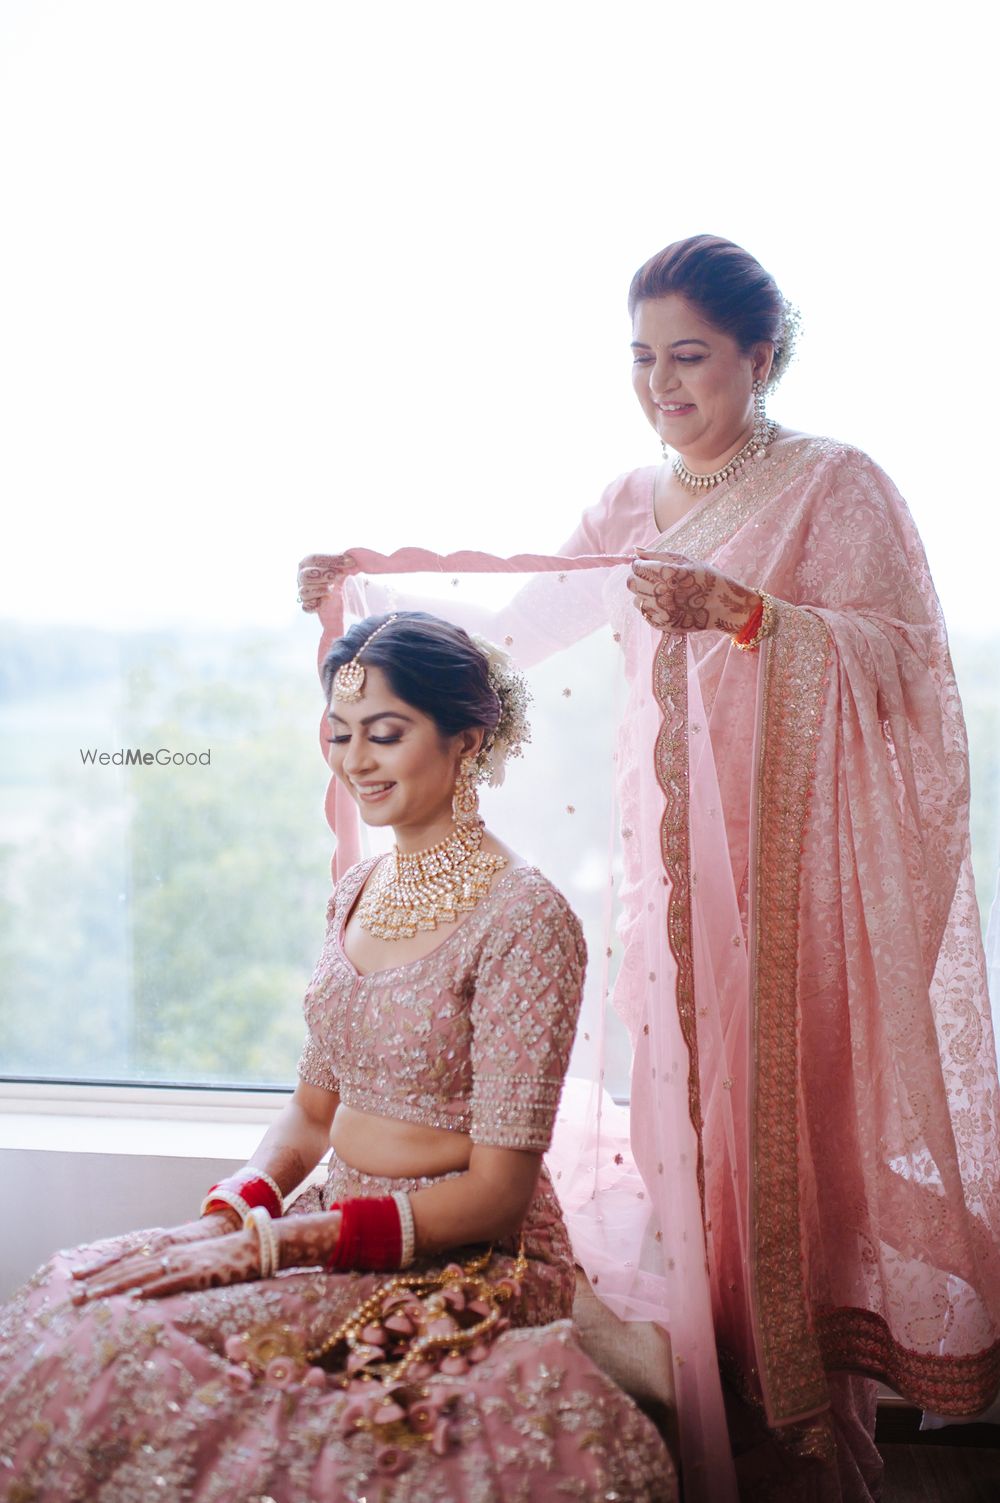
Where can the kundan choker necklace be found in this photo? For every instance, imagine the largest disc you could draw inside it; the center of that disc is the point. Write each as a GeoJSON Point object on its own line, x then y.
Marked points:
{"type": "Point", "coordinates": [752, 449]}
{"type": "Point", "coordinates": [413, 890]}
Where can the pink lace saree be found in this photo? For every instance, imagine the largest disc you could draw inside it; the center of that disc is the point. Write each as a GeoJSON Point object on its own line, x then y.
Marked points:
{"type": "Point", "coordinates": [814, 1097]}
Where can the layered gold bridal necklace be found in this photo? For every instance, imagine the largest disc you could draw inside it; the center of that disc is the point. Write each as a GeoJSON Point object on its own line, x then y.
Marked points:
{"type": "Point", "coordinates": [417, 890]}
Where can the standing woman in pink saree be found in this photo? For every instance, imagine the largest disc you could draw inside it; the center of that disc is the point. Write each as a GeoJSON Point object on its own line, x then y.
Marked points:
{"type": "Point", "coordinates": [814, 1089]}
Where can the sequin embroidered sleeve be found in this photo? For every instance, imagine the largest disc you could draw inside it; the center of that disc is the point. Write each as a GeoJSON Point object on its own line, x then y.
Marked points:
{"type": "Point", "coordinates": [316, 1064]}
{"type": "Point", "coordinates": [524, 1011]}
{"type": "Point", "coordinates": [314, 1067]}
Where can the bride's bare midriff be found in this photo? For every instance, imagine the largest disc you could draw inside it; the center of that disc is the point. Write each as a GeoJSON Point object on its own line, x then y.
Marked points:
{"type": "Point", "coordinates": [379, 1145]}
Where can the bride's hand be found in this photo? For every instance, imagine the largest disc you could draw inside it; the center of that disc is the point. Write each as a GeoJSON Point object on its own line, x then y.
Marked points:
{"type": "Point", "coordinates": [155, 1243]}
{"type": "Point", "coordinates": [303, 1242]}
{"type": "Point", "coordinates": [678, 594]}
{"type": "Point", "coordinates": [318, 573]}
{"type": "Point", "coordinates": [230, 1259]}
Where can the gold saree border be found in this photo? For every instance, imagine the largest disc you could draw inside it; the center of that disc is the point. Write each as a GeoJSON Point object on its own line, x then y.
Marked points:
{"type": "Point", "coordinates": [860, 1340]}
{"type": "Point", "coordinates": [795, 670]}
{"type": "Point", "coordinates": [673, 774]}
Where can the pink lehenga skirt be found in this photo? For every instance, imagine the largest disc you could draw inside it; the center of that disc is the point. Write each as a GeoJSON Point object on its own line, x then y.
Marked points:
{"type": "Point", "coordinates": [128, 1401]}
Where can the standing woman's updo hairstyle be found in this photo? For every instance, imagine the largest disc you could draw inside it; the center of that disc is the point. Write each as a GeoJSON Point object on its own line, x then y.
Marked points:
{"type": "Point", "coordinates": [730, 290]}
{"type": "Point", "coordinates": [429, 663]}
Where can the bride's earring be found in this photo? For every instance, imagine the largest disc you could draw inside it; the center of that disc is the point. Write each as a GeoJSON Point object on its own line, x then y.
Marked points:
{"type": "Point", "coordinates": [759, 413]}
{"type": "Point", "coordinates": [465, 799]}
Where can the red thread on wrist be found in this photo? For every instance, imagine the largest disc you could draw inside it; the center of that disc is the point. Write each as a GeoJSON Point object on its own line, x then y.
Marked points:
{"type": "Point", "coordinates": [370, 1235]}
{"type": "Point", "coordinates": [753, 625]}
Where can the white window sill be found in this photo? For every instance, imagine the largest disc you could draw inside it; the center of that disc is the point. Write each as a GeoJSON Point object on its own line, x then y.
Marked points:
{"type": "Point", "coordinates": [135, 1120]}
{"type": "Point", "coordinates": [89, 1162]}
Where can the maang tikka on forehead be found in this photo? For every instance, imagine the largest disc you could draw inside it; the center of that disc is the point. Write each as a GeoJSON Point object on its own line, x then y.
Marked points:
{"type": "Point", "coordinates": [349, 679]}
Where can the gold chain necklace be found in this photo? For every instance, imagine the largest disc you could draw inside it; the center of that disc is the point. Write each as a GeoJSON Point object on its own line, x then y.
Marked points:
{"type": "Point", "coordinates": [754, 447]}
{"type": "Point", "coordinates": [413, 890]}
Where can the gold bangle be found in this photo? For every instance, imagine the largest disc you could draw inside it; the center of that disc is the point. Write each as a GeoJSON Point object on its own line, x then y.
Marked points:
{"type": "Point", "coordinates": [766, 627]}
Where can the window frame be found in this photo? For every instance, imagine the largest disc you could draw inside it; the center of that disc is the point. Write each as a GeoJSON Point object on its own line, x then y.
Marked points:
{"type": "Point", "coordinates": [110, 1099]}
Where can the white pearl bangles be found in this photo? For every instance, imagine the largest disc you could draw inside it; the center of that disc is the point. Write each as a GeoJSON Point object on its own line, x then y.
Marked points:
{"type": "Point", "coordinates": [260, 1220]}
{"type": "Point", "coordinates": [406, 1228]}
{"type": "Point", "coordinates": [228, 1197]}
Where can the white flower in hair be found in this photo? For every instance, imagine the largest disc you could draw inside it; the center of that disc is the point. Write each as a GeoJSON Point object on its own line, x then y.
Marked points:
{"type": "Point", "coordinates": [512, 729]}
{"type": "Point", "coordinates": [784, 349]}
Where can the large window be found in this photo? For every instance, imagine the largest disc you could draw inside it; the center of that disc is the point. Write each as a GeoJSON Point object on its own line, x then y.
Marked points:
{"type": "Point", "coordinates": [273, 282]}
{"type": "Point", "coordinates": [166, 860]}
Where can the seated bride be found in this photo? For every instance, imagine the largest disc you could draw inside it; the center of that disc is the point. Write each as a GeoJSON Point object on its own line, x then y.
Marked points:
{"type": "Point", "coordinates": [400, 1332]}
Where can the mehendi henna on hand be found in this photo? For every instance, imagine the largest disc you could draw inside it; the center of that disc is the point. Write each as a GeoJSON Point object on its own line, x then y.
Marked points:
{"type": "Point", "coordinates": [214, 1224]}
{"type": "Point", "coordinates": [680, 596]}
{"type": "Point", "coordinates": [307, 1241]}
{"type": "Point", "coordinates": [318, 572]}
{"type": "Point", "coordinates": [675, 594]}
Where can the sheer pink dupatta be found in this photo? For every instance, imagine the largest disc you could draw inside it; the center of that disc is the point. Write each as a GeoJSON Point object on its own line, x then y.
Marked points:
{"type": "Point", "coordinates": [583, 804]}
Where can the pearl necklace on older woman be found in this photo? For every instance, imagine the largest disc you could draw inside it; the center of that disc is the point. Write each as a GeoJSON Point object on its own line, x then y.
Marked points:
{"type": "Point", "coordinates": [764, 432]}
{"type": "Point", "coordinates": [752, 449]}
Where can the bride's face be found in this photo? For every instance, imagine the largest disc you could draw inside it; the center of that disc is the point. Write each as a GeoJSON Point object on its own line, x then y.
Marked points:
{"type": "Point", "coordinates": [393, 759]}
{"type": "Point", "coordinates": [694, 383]}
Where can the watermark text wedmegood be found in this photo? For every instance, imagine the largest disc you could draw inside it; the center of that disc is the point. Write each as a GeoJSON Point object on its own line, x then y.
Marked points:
{"type": "Point", "coordinates": [133, 758]}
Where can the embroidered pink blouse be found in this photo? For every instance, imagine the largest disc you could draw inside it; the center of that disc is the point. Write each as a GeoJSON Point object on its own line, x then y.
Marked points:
{"type": "Point", "coordinates": [474, 1037]}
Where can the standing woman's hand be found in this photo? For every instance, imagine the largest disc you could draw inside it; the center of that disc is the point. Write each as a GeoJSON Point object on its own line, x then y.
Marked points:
{"type": "Point", "coordinates": [678, 594]}
{"type": "Point", "coordinates": [318, 574]}
{"type": "Point", "coordinates": [230, 1259]}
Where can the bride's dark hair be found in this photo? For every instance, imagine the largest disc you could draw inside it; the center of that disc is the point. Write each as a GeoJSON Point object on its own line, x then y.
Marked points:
{"type": "Point", "coordinates": [728, 287]}
{"type": "Point", "coordinates": [429, 663]}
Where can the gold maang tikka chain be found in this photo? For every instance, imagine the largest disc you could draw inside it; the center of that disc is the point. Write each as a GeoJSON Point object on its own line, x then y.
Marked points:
{"type": "Point", "coordinates": [349, 679]}
{"type": "Point", "coordinates": [411, 891]}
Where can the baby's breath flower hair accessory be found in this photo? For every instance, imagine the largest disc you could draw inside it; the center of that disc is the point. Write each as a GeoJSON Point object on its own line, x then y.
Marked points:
{"type": "Point", "coordinates": [784, 348]}
{"type": "Point", "coordinates": [512, 730]}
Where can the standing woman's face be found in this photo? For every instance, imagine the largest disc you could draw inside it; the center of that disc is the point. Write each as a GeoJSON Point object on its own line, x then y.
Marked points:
{"type": "Point", "coordinates": [694, 383]}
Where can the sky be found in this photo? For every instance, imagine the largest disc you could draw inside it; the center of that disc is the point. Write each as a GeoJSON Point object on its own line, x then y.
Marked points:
{"type": "Point", "coordinates": [281, 279]}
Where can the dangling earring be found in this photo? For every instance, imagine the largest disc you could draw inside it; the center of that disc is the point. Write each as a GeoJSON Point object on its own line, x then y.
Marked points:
{"type": "Point", "coordinates": [760, 432]}
{"type": "Point", "coordinates": [465, 799]}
